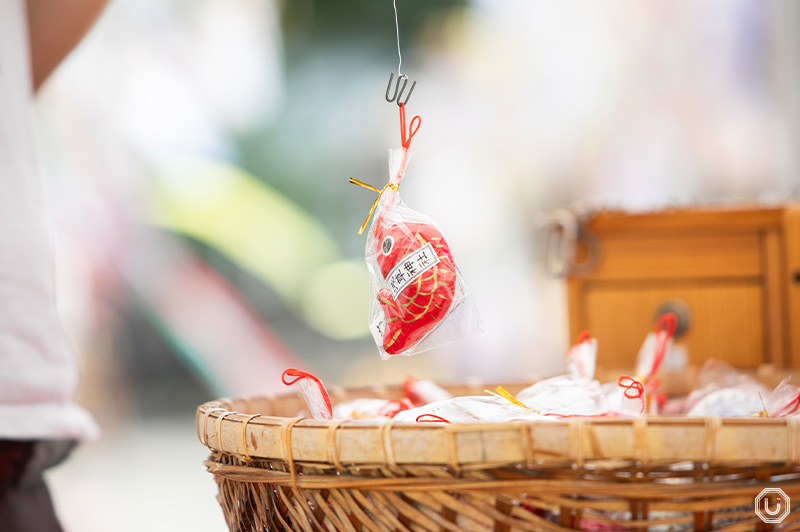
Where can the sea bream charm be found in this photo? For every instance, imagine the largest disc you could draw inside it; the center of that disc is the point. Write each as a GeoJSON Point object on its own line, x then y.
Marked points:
{"type": "Point", "coordinates": [416, 263]}
{"type": "Point", "coordinates": [415, 282]}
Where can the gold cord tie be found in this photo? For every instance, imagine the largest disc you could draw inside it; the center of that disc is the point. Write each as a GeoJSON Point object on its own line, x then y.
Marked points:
{"type": "Point", "coordinates": [502, 392]}
{"type": "Point", "coordinates": [393, 186]}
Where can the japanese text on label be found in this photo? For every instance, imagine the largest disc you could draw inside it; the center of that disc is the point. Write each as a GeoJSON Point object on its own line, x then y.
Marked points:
{"type": "Point", "coordinates": [412, 266]}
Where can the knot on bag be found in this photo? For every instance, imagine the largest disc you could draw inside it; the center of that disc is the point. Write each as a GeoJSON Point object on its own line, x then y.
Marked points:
{"type": "Point", "coordinates": [393, 186]}
{"type": "Point", "coordinates": [405, 141]}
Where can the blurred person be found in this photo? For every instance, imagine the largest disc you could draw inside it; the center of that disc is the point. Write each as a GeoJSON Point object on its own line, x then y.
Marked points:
{"type": "Point", "coordinates": [39, 423]}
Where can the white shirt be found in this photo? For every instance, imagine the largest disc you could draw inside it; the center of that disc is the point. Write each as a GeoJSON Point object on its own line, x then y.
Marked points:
{"type": "Point", "coordinates": [37, 372]}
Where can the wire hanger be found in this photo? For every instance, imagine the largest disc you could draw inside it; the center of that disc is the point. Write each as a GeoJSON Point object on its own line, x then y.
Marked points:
{"type": "Point", "coordinates": [398, 89]}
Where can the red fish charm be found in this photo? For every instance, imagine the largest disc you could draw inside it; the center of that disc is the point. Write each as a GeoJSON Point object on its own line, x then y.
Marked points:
{"type": "Point", "coordinates": [415, 285]}
{"type": "Point", "coordinates": [416, 263]}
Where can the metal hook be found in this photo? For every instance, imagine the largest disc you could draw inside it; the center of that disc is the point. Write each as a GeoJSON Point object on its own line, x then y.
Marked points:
{"type": "Point", "coordinates": [398, 90]}
{"type": "Point", "coordinates": [414, 84]}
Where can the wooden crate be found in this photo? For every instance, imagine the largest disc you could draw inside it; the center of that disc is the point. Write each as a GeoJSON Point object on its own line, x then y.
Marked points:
{"type": "Point", "coordinates": [737, 271]}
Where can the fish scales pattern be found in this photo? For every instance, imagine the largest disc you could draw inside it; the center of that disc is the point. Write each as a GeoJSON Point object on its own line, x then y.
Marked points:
{"type": "Point", "coordinates": [424, 303]}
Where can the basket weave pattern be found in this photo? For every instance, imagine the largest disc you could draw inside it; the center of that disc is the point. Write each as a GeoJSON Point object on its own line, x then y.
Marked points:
{"type": "Point", "coordinates": [294, 474]}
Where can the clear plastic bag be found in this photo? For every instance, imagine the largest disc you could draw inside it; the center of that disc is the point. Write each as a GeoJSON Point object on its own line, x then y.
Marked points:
{"type": "Point", "coordinates": [655, 347]}
{"type": "Point", "coordinates": [654, 350]}
{"type": "Point", "coordinates": [468, 409]}
{"type": "Point", "coordinates": [371, 408]}
{"type": "Point", "coordinates": [564, 395]}
{"type": "Point", "coordinates": [722, 390]}
{"type": "Point", "coordinates": [728, 402]}
{"type": "Point", "coordinates": [418, 297]}
{"type": "Point", "coordinates": [582, 357]}
{"type": "Point", "coordinates": [626, 396]}
{"type": "Point", "coordinates": [578, 394]}
{"type": "Point", "coordinates": [314, 392]}
{"type": "Point", "coordinates": [422, 392]}
{"type": "Point", "coordinates": [783, 401]}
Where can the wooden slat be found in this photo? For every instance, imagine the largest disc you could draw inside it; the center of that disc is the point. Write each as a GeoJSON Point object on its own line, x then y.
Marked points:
{"type": "Point", "coordinates": [774, 299]}
{"type": "Point", "coordinates": [708, 219]}
{"type": "Point", "coordinates": [633, 257]}
{"type": "Point", "coordinates": [726, 321]}
{"type": "Point", "coordinates": [574, 306]}
{"type": "Point", "coordinates": [791, 241]}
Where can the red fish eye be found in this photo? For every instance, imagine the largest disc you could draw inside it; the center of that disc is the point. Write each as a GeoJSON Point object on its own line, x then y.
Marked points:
{"type": "Point", "coordinates": [387, 244]}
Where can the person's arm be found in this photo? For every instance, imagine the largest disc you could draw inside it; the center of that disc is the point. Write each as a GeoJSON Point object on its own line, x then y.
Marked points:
{"type": "Point", "coordinates": [55, 27]}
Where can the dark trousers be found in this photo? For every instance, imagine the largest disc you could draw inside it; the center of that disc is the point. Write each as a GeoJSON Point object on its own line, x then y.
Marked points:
{"type": "Point", "coordinates": [25, 503]}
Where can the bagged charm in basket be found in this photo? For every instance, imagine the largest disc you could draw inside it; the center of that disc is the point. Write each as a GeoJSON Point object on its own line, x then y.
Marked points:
{"type": "Point", "coordinates": [418, 298]}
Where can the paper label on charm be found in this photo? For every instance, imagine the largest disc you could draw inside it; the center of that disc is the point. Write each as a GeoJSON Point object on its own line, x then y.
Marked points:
{"type": "Point", "coordinates": [412, 266]}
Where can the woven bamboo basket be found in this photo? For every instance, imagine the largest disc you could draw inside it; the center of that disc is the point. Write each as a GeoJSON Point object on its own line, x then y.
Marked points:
{"type": "Point", "coordinates": [277, 472]}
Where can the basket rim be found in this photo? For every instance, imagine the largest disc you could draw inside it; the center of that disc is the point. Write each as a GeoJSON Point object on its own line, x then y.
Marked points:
{"type": "Point", "coordinates": [230, 426]}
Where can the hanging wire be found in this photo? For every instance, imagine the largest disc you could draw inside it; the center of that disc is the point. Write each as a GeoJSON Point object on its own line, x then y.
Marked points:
{"type": "Point", "coordinates": [397, 30]}
{"type": "Point", "coordinates": [401, 78]}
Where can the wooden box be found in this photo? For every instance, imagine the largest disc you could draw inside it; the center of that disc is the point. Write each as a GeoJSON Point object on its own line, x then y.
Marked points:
{"type": "Point", "coordinates": [735, 272]}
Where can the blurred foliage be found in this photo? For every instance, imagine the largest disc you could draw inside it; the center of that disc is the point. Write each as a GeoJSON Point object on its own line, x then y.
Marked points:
{"type": "Point", "coordinates": [307, 24]}
{"type": "Point", "coordinates": [336, 53]}
{"type": "Point", "coordinates": [246, 220]}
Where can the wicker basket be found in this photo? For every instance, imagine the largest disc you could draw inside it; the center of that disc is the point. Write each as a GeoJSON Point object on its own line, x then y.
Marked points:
{"type": "Point", "coordinates": [285, 473]}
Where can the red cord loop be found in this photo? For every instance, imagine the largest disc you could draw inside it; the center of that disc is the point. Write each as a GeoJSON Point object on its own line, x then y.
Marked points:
{"type": "Point", "coordinates": [433, 419]}
{"type": "Point", "coordinates": [305, 375]}
{"type": "Point", "coordinates": [584, 337]}
{"type": "Point", "coordinates": [632, 388]}
{"type": "Point", "coordinates": [406, 140]}
{"type": "Point", "coordinates": [293, 373]}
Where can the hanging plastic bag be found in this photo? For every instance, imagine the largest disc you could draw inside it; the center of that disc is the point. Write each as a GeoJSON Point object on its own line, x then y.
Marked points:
{"type": "Point", "coordinates": [418, 297]}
